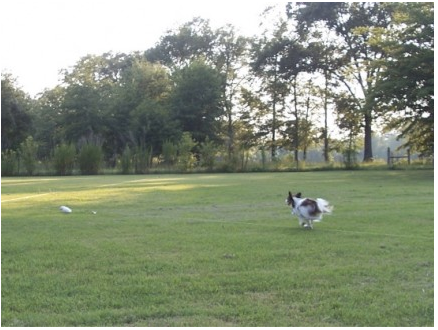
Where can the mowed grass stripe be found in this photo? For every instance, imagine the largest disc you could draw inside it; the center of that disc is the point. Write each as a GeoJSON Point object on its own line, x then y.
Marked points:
{"type": "Point", "coordinates": [218, 250]}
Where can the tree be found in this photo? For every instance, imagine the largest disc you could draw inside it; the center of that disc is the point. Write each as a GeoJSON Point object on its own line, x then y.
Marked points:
{"type": "Point", "coordinates": [253, 126]}
{"type": "Point", "coordinates": [141, 113]}
{"type": "Point", "coordinates": [229, 53]}
{"type": "Point", "coordinates": [267, 54]}
{"type": "Point", "coordinates": [251, 129]}
{"type": "Point", "coordinates": [349, 121]}
{"type": "Point", "coordinates": [196, 101]}
{"type": "Point", "coordinates": [301, 129]}
{"type": "Point", "coordinates": [87, 97]}
{"type": "Point", "coordinates": [48, 122]}
{"type": "Point", "coordinates": [178, 48]}
{"type": "Point", "coordinates": [16, 118]}
{"type": "Point", "coordinates": [221, 49]}
{"type": "Point", "coordinates": [405, 88]}
{"type": "Point", "coordinates": [323, 58]}
{"type": "Point", "coordinates": [348, 23]}
{"type": "Point", "coordinates": [82, 112]}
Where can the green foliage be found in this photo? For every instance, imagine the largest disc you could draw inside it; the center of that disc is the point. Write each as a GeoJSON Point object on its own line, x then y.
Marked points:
{"type": "Point", "coordinates": [350, 154]}
{"type": "Point", "coordinates": [218, 250]}
{"type": "Point", "coordinates": [48, 121]}
{"type": "Point", "coordinates": [357, 61]}
{"type": "Point", "coordinates": [349, 121]}
{"type": "Point", "coordinates": [196, 100]}
{"type": "Point", "coordinates": [170, 153]}
{"type": "Point", "coordinates": [9, 162]}
{"type": "Point", "coordinates": [186, 159]}
{"type": "Point", "coordinates": [405, 90]}
{"type": "Point", "coordinates": [208, 151]}
{"type": "Point", "coordinates": [142, 104]}
{"type": "Point", "coordinates": [376, 60]}
{"type": "Point", "coordinates": [263, 156]}
{"type": "Point", "coordinates": [142, 159]}
{"type": "Point", "coordinates": [192, 41]}
{"type": "Point", "coordinates": [16, 119]}
{"type": "Point", "coordinates": [64, 159]}
{"type": "Point", "coordinates": [126, 160]}
{"type": "Point", "coordinates": [28, 155]}
{"type": "Point", "coordinates": [90, 158]}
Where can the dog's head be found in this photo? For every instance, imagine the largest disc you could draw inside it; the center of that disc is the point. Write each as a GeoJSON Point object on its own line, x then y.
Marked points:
{"type": "Point", "coordinates": [290, 199]}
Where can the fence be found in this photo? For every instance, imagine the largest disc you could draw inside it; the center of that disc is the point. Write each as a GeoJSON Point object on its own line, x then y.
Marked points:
{"type": "Point", "coordinates": [391, 157]}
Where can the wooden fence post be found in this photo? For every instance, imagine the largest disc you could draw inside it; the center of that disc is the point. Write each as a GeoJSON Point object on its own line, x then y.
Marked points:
{"type": "Point", "coordinates": [390, 158]}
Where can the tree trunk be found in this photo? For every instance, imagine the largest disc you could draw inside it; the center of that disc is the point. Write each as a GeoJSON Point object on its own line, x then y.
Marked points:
{"type": "Point", "coordinates": [325, 132]}
{"type": "Point", "coordinates": [230, 134]}
{"type": "Point", "coordinates": [274, 115]}
{"type": "Point", "coordinates": [368, 148]}
{"type": "Point", "coordinates": [274, 124]}
{"type": "Point", "coordinates": [297, 123]}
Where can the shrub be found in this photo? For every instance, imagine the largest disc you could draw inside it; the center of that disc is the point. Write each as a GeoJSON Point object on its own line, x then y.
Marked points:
{"type": "Point", "coordinates": [90, 158]}
{"type": "Point", "coordinates": [28, 154]}
{"type": "Point", "coordinates": [142, 159]}
{"type": "Point", "coordinates": [126, 161]}
{"type": "Point", "coordinates": [208, 152]}
{"type": "Point", "coordinates": [264, 156]}
{"type": "Point", "coordinates": [350, 158]}
{"type": "Point", "coordinates": [186, 159]}
{"type": "Point", "coordinates": [9, 162]}
{"type": "Point", "coordinates": [64, 159]}
{"type": "Point", "coordinates": [170, 153]}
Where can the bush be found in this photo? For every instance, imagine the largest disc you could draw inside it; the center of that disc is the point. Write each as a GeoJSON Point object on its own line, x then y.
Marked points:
{"type": "Point", "coordinates": [142, 159]}
{"type": "Point", "coordinates": [64, 159]}
{"type": "Point", "coordinates": [186, 159]}
{"type": "Point", "coordinates": [170, 153]}
{"type": "Point", "coordinates": [90, 158]}
{"type": "Point", "coordinates": [126, 161]}
{"type": "Point", "coordinates": [208, 152]}
{"type": "Point", "coordinates": [28, 154]}
{"type": "Point", "coordinates": [9, 163]}
{"type": "Point", "coordinates": [350, 158]}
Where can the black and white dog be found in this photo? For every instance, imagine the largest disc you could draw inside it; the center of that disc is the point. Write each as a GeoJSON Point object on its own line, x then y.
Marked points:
{"type": "Point", "coordinates": [308, 210]}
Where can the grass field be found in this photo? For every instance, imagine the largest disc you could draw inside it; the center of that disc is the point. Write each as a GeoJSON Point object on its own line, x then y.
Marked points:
{"type": "Point", "coordinates": [218, 250]}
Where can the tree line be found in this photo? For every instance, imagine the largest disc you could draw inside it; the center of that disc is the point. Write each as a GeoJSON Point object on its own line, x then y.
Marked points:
{"type": "Point", "coordinates": [202, 93]}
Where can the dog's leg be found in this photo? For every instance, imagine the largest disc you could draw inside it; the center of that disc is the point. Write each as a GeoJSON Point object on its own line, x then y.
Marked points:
{"type": "Point", "coordinates": [309, 224]}
{"type": "Point", "coordinates": [305, 223]}
{"type": "Point", "coordinates": [301, 221]}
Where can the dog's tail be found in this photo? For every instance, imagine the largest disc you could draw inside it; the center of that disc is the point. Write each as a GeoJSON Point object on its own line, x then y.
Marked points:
{"type": "Point", "coordinates": [324, 205]}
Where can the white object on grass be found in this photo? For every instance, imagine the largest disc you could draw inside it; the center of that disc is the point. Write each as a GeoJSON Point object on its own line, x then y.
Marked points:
{"type": "Point", "coordinates": [65, 209]}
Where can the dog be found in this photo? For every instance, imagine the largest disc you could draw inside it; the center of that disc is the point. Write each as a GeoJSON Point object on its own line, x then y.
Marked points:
{"type": "Point", "coordinates": [308, 210]}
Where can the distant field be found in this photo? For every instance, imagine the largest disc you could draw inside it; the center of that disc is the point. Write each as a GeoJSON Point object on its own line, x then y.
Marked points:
{"type": "Point", "coordinates": [218, 250]}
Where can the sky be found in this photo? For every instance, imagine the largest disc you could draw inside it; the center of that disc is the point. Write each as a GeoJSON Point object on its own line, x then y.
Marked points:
{"type": "Point", "coordinates": [41, 37]}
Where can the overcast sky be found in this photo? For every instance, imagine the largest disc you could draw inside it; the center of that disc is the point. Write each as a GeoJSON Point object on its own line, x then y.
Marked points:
{"type": "Point", "coordinates": [41, 37]}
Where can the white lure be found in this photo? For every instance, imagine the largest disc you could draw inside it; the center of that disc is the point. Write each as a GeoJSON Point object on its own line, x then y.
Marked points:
{"type": "Point", "coordinates": [65, 209]}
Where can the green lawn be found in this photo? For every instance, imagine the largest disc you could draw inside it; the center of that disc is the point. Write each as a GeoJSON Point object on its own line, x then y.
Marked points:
{"type": "Point", "coordinates": [218, 250]}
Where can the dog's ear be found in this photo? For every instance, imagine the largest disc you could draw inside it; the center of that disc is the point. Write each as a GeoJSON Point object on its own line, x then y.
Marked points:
{"type": "Point", "coordinates": [290, 194]}
{"type": "Point", "coordinates": [298, 195]}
